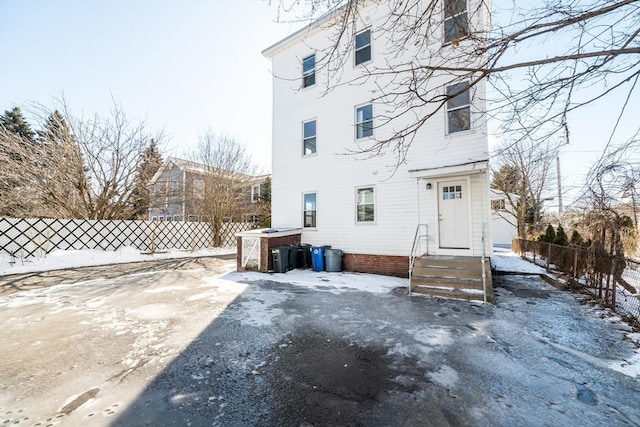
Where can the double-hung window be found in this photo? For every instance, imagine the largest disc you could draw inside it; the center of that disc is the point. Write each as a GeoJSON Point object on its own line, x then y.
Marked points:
{"type": "Point", "coordinates": [456, 23]}
{"type": "Point", "coordinates": [309, 137]}
{"type": "Point", "coordinates": [458, 108]}
{"type": "Point", "coordinates": [365, 205]}
{"type": "Point", "coordinates": [364, 121]}
{"type": "Point", "coordinates": [309, 71]}
{"type": "Point", "coordinates": [363, 47]}
{"type": "Point", "coordinates": [255, 193]}
{"type": "Point", "coordinates": [309, 210]}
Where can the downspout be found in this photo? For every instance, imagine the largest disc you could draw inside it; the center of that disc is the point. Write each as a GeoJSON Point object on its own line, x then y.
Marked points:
{"type": "Point", "coordinates": [483, 257]}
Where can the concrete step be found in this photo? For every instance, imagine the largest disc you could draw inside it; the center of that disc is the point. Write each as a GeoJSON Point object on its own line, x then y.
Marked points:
{"type": "Point", "coordinates": [443, 261]}
{"type": "Point", "coordinates": [442, 271]}
{"type": "Point", "coordinates": [449, 293]}
{"type": "Point", "coordinates": [446, 282]}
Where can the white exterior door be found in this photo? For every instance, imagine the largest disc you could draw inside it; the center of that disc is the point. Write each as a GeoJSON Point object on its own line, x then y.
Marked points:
{"type": "Point", "coordinates": [453, 214]}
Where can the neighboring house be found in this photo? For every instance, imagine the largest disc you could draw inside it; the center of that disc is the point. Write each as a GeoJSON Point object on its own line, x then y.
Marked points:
{"type": "Point", "coordinates": [356, 204]}
{"type": "Point", "coordinates": [503, 219]}
{"type": "Point", "coordinates": [178, 190]}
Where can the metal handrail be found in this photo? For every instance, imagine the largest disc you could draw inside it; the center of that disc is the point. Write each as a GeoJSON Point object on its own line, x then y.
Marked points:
{"type": "Point", "coordinates": [416, 249]}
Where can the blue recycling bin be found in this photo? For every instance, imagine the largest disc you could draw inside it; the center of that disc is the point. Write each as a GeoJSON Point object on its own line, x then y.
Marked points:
{"type": "Point", "coordinates": [317, 258]}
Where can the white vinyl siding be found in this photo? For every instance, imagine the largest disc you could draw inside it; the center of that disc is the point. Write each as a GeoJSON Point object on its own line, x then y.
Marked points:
{"type": "Point", "coordinates": [334, 176]}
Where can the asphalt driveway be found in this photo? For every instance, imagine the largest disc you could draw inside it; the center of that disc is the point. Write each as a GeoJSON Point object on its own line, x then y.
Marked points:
{"type": "Point", "coordinates": [197, 344]}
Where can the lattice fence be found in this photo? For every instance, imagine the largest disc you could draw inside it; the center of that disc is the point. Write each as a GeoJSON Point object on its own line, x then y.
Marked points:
{"type": "Point", "coordinates": [25, 237]}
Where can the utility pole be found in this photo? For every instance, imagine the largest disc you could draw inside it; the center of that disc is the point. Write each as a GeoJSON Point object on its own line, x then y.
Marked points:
{"type": "Point", "coordinates": [559, 190]}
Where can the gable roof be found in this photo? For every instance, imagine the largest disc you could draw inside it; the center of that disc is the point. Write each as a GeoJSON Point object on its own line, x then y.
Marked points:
{"type": "Point", "coordinates": [193, 167]}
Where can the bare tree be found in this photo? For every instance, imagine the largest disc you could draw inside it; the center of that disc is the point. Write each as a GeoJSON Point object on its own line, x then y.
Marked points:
{"type": "Point", "coordinates": [542, 60]}
{"type": "Point", "coordinates": [611, 198]}
{"type": "Point", "coordinates": [228, 169]}
{"type": "Point", "coordinates": [80, 168]}
{"type": "Point", "coordinates": [524, 178]}
{"type": "Point", "coordinates": [111, 147]}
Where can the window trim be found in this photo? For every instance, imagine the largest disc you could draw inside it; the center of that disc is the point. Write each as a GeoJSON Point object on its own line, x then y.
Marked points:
{"type": "Point", "coordinates": [356, 49]}
{"type": "Point", "coordinates": [358, 124]}
{"type": "Point", "coordinates": [315, 211]}
{"type": "Point", "coordinates": [309, 74]}
{"type": "Point", "coordinates": [357, 203]}
{"type": "Point", "coordinates": [498, 205]}
{"type": "Point", "coordinates": [255, 199]}
{"type": "Point", "coordinates": [452, 17]}
{"type": "Point", "coordinates": [305, 138]}
{"type": "Point", "coordinates": [458, 108]}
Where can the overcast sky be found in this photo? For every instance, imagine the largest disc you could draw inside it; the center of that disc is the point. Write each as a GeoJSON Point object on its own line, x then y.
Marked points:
{"type": "Point", "coordinates": [185, 66]}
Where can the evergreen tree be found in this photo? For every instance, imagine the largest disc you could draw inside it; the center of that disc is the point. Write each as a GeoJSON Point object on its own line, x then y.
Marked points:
{"type": "Point", "coordinates": [561, 237]}
{"type": "Point", "coordinates": [55, 130]}
{"type": "Point", "coordinates": [549, 236]}
{"type": "Point", "coordinates": [149, 163]}
{"type": "Point", "coordinates": [63, 178]}
{"type": "Point", "coordinates": [576, 239]}
{"type": "Point", "coordinates": [15, 122]}
{"type": "Point", "coordinates": [264, 207]}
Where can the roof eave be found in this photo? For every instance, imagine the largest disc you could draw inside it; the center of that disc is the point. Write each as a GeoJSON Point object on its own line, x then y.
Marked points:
{"type": "Point", "coordinates": [293, 37]}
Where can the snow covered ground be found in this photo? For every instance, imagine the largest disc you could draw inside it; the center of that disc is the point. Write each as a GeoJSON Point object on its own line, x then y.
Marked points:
{"type": "Point", "coordinates": [206, 345]}
{"type": "Point", "coordinates": [59, 259]}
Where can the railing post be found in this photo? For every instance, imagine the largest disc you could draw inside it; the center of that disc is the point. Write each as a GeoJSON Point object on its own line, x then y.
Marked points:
{"type": "Point", "coordinates": [548, 256]}
{"type": "Point", "coordinates": [575, 266]}
{"type": "Point", "coordinates": [613, 284]}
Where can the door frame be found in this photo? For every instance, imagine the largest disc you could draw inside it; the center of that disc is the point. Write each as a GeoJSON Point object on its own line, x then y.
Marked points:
{"type": "Point", "coordinates": [451, 251]}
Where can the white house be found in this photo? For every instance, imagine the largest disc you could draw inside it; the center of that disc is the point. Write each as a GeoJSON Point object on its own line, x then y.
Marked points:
{"type": "Point", "coordinates": [355, 203]}
{"type": "Point", "coordinates": [503, 218]}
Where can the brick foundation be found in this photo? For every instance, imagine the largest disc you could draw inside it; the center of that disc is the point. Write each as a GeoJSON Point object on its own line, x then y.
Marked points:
{"type": "Point", "coordinates": [386, 265]}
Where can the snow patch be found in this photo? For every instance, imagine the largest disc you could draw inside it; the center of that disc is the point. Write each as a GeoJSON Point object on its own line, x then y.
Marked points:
{"type": "Point", "coordinates": [329, 282]}
{"type": "Point", "coordinates": [509, 262]}
{"type": "Point", "coordinates": [446, 376]}
{"type": "Point", "coordinates": [61, 259]}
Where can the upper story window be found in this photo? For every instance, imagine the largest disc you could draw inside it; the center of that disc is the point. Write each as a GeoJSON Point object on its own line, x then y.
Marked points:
{"type": "Point", "coordinates": [498, 205]}
{"type": "Point", "coordinates": [309, 71]}
{"type": "Point", "coordinates": [309, 137]}
{"type": "Point", "coordinates": [364, 121]}
{"type": "Point", "coordinates": [458, 108]}
{"type": "Point", "coordinates": [255, 193]}
{"type": "Point", "coordinates": [309, 210]}
{"type": "Point", "coordinates": [198, 188]}
{"type": "Point", "coordinates": [363, 47]}
{"type": "Point", "coordinates": [365, 205]}
{"type": "Point", "coordinates": [456, 23]}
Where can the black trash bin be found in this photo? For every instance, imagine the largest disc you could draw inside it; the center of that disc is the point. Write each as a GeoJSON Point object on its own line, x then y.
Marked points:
{"type": "Point", "coordinates": [305, 256]}
{"type": "Point", "coordinates": [277, 261]}
{"type": "Point", "coordinates": [281, 259]}
{"type": "Point", "coordinates": [293, 257]}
